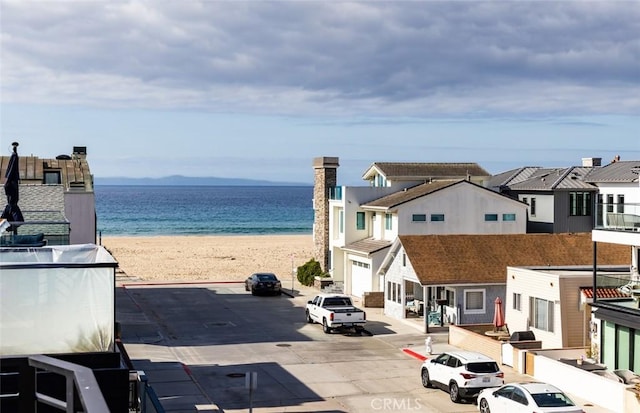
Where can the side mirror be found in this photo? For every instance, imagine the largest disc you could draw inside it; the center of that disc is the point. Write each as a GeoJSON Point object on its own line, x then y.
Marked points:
{"type": "Point", "coordinates": [309, 302]}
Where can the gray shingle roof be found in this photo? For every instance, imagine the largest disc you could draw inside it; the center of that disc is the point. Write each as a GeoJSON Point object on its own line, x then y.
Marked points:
{"type": "Point", "coordinates": [409, 194]}
{"type": "Point", "coordinates": [620, 171]}
{"type": "Point", "coordinates": [511, 177]}
{"type": "Point", "coordinates": [548, 179]}
{"type": "Point", "coordinates": [422, 170]}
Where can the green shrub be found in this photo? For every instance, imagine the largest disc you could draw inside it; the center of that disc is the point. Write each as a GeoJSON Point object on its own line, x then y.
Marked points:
{"type": "Point", "coordinates": [309, 271]}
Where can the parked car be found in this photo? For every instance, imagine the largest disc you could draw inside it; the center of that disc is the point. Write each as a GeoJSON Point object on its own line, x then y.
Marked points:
{"type": "Point", "coordinates": [526, 398]}
{"type": "Point", "coordinates": [263, 283]}
{"type": "Point", "coordinates": [462, 373]}
{"type": "Point", "coordinates": [335, 311]}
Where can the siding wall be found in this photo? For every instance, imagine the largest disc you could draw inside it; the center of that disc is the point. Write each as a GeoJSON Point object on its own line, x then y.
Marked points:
{"type": "Point", "coordinates": [491, 292]}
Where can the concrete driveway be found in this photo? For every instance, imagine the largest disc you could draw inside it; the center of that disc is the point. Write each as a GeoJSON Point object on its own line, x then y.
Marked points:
{"type": "Point", "coordinates": [196, 342]}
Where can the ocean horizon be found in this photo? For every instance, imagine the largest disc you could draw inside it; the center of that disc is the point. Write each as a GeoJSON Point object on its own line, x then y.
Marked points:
{"type": "Point", "coordinates": [138, 210]}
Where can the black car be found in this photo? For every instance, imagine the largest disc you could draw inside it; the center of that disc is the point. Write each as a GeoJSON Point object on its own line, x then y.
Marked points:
{"type": "Point", "coordinates": [263, 283]}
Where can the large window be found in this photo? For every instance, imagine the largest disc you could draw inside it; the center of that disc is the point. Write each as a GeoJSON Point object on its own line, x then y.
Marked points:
{"type": "Point", "coordinates": [388, 221]}
{"type": "Point", "coordinates": [541, 314]}
{"type": "Point", "coordinates": [609, 203]}
{"type": "Point", "coordinates": [532, 206]}
{"type": "Point", "coordinates": [360, 220]}
{"type": "Point", "coordinates": [474, 301]}
{"type": "Point", "coordinates": [620, 208]}
{"type": "Point", "coordinates": [580, 204]}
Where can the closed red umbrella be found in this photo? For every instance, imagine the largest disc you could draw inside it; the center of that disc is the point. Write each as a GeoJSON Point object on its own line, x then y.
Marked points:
{"type": "Point", "coordinates": [498, 315]}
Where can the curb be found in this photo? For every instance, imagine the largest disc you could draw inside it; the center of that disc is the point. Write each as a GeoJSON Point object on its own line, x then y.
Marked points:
{"type": "Point", "coordinates": [414, 354]}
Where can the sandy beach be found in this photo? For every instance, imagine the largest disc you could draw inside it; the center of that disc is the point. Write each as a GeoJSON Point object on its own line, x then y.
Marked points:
{"type": "Point", "coordinates": [211, 258]}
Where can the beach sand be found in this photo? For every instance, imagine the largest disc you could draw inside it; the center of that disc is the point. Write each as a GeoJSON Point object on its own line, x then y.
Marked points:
{"type": "Point", "coordinates": [210, 258]}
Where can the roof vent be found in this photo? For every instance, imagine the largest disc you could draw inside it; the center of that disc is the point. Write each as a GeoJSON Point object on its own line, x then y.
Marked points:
{"type": "Point", "coordinates": [63, 157]}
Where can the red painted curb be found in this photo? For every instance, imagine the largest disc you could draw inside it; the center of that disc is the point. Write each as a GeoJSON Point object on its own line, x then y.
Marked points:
{"type": "Point", "coordinates": [414, 354]}
{"type": "Point", "coordinates": [186, 369]}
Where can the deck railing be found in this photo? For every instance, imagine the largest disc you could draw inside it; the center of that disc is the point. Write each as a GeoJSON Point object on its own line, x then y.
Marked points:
{"type": "Point", "coordinates": [618, 217]}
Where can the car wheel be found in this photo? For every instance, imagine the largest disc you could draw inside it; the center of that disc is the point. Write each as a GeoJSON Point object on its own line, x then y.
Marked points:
{"type": "Point", "coordinates": [426, 382]}
{"type": "Point", "coordinates": [484, 406]}
{"type": "Point", "coordinates": [454, 392]}
{"type": "Point", "coordinates": [246, 287]}
{"type": "Point", "coordinates": [279, 292]}
{"type": "Point", "coordinates": [309, 319]}
{"type": "Point", "coordinates": [325, 327]}
{"type": "Point", "coordinates": [253, 292]}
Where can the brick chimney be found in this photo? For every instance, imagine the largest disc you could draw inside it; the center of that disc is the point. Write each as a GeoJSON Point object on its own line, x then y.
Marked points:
{"type": "Point", "coordinates": [325, 176]}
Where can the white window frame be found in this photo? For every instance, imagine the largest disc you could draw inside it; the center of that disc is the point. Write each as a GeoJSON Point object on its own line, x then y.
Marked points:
{"type": "Point", "coordinates": [482, 310]}
{"type": "Point", "coordinates": [517, 301]}
{"type": "Point", "coordinates": [550, 314]}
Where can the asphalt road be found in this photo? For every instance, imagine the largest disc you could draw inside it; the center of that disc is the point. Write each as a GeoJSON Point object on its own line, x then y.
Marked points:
{"type": "Point", "coordinates": [197, 342]}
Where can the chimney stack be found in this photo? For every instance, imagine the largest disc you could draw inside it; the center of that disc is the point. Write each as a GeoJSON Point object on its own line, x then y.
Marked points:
{"type": "Point", "coordinates": [590, 162]}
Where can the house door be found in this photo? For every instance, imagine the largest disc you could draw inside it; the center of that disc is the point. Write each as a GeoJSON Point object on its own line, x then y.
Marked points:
{"type": "Point", "coordinates": [361, 280]}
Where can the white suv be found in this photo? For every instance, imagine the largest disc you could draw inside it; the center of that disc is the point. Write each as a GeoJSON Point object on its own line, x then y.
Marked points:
{"type": "Point", "coordinates": [462, 373]}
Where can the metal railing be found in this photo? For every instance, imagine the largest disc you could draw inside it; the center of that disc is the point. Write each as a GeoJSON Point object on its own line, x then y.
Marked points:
{"type": "Point", "coordinates": [79, 381]}
{"type": "Point", "coordinates": [618, 217]}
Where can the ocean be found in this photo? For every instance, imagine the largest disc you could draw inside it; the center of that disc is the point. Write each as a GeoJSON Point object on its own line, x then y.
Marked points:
{"type": "Point", "coordinates": [203, 210]}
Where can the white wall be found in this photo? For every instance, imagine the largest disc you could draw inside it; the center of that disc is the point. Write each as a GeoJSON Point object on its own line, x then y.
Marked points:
{"type": "Point", "coordinates": [464, 207]}
{"type": "Point", "coordinates": [544, 207]}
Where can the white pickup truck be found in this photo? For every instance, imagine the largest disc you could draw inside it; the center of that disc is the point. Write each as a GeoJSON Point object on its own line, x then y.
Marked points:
{"type": "Point", "coordinates": [335, 311]}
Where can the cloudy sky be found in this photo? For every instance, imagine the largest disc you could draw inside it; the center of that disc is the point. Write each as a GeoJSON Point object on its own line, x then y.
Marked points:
{"type": "Point", "coordinates": [257, 89]}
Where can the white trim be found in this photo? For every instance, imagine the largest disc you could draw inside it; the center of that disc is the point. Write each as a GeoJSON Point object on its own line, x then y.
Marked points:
{"type": "Point", "coordinates": [484, 299]}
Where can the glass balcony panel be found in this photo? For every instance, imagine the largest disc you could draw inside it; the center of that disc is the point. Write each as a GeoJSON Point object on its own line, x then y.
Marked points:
{"type": "Point", "coordinates": [618, 217]}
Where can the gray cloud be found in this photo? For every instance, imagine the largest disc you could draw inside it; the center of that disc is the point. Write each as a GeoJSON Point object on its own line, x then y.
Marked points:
{"type": "Point", "coordinates": [368, 58]}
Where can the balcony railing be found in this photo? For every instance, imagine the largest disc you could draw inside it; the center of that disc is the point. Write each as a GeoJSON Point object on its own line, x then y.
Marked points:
{"type": "Point", "coordinates": [618, 217]}
{"type": "Point", "coordinates": [335, 193]}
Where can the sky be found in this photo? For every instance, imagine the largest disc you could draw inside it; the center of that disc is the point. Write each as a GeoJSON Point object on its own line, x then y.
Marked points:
{"type": "Point", "coordinates": [257, 89]}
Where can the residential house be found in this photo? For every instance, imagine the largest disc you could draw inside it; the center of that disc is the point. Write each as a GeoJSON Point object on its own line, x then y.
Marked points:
{"type": "Point", "coordinates": [555, 302]}
{"type": "Point", "coordinates": [57, 197]}
{"type": "Point", "coordinates": [458, 277]}
{"type": "Point", "coordinates": [560, 199]}
{"type": "Point", "coordinates": [616, 324]}
{"type": "Point", "coordinates": [360, 223]}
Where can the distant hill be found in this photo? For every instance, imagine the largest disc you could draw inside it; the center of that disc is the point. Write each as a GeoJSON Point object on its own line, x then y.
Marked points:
{"type": "Point", "coordinates": [192, 181]}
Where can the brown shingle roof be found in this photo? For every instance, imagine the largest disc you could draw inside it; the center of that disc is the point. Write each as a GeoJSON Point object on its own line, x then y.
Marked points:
{"type": "Point", "coordinates": [422, 170]}
{"type": "Point", "coordinates": [462, 259]}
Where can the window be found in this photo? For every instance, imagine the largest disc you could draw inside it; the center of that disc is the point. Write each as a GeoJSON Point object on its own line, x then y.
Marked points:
{"type": "Point", "coordinates": [490, 217]}
{"type": "Point", "coordinates": [404, 259]}
{"type": "Point", "coordinates": [419, 217]}
{"type": "Point", "coordinates": [451, 298]}
{"type": "Point", "coordinates": [52, 178]}
{"type": "Point", "coordinates": [341, 221]}
{"type": "Point", "coordinates": [533, 207]}
{"type": "Point", "coordinates": [388, 221]}
{"type": "Point", "coordinates": [359, 220]}
{"type": "Point", "coordinates": [580, 204]}
{"type": "Point", "coordinates": [508, 217]}
{"type": "Point", "coordinates": [474, 301]}
{"type": "Point", "coordinates": [620, 206]}
{"type": "Point", "coordinates": [517, 297]}
{"type": "Point", "coordinates": [525, 200]}
{"type": "Point", "coordinates": [389, 290]}
{"type": "Point", "coordinates": [541, 314]}
{"type": "Point", "coordinates": [437, 217]}
{"type": "Point", "coordinates": [609, 203]}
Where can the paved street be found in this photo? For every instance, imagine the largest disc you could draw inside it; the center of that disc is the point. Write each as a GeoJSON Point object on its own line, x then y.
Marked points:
{"type": "Point", "coordinates": [196, 342]}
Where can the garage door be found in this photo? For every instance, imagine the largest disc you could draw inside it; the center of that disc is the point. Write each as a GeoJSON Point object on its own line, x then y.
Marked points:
{"type": "Point", "coordinates": [360, 278]}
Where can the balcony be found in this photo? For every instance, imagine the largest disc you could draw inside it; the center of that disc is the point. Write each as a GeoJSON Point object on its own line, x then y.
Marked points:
{"type": "Point", "coordinates": [618, 217]}
{"type": "Point", "coordinates": [52, 224]}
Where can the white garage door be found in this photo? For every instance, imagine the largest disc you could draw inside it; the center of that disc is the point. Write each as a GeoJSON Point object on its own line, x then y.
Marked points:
{"type": "Point", "coordinates": [361, 281]}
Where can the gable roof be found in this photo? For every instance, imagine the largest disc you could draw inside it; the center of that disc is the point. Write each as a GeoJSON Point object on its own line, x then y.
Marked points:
{"type": "Point", "coordinates": [411, 171]}
{"type": "Point", "coordinates": [474, 259]}
{"type": "Point", "coordinates": [548, 179]}
{"type": "Point", "coordinates": [616, 172]}
{"type": "Point", "coordinates": [511, 177]}
{"type": "Point", "coordinates": [409, 194]}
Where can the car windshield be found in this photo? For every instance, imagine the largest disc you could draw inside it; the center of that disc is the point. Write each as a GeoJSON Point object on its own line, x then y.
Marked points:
{"type": "Point", "coordinates": [552, 400]}
{"type": "Point", "coordinates": [483, 367]}
{"type": "Point", "coordinates": [266, 277]}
